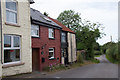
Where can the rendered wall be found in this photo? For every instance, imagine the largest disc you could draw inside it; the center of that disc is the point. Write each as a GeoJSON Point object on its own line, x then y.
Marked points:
{"type": "Point", "coordinates": [24, 30]}
{"type": "Point", "coordinates": [71, 47]}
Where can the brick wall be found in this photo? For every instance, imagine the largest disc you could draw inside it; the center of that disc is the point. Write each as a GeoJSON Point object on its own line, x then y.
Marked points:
{"type": "Point", "coordinates": [47, 43]}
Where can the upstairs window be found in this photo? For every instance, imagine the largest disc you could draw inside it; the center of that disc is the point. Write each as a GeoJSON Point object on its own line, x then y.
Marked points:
{"type": "Point", "coordinates": [63, 39]}
{"type": "Point", "coordinates": [51, 33]}
{"type": "Point", "coordinates": [11, 48]}
{"type": "Point", "coordinates": [35, 30]}
{"type": "Point", "coordinates": [11, 11]}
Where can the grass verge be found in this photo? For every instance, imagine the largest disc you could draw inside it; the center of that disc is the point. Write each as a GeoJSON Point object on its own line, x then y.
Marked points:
{"type": "Point", "coordinates": [111, 59]}
{"type": "Point", "coordinates": [61, 67]}
{"type": "Point", "coordinates": [97, 55]}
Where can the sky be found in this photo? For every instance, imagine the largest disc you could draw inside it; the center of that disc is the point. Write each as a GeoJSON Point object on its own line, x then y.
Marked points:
{"type": "Point", "coordinates": [102, 11]}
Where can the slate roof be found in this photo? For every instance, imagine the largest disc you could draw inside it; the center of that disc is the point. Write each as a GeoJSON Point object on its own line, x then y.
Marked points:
{"type": "Point", "coordinates": [64, 28]}
{"type": "Point", "coordinates": [37, 16]}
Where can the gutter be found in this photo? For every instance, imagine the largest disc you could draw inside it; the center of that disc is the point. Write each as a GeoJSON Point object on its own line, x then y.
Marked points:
{"type": "Point", "coordinates": [1, 30]}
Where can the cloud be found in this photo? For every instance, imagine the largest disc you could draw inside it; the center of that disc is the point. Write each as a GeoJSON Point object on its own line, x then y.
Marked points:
{"type": "Point", "coordinates": [103, 11]}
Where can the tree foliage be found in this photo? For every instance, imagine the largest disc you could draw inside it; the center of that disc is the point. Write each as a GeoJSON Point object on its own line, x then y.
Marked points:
{"type": "Point", "coordinates": [45, 13]}
{"type": "Point", "coordinates": [69, 18]}
{"type": "Point", "coordinates": [111, 49]}
{"type": "Point", "coordinates": [86, 32]}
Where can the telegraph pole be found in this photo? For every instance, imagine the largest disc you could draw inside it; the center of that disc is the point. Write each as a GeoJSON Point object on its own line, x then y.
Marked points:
{"type": "Point", "coordinates": [111, 38]}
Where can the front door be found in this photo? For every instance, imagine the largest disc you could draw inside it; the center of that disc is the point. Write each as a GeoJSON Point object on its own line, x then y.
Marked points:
{"type": "Point", "coordinates": [65, 56]}
{"type": "Point", "coordinates": [35, 60]}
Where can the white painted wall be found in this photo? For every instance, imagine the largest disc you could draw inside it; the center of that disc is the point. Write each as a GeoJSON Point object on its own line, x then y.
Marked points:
{"type": "Point", "coordinates": [71, 47]}
{"type": "Point", "coordinates": [25, 32]}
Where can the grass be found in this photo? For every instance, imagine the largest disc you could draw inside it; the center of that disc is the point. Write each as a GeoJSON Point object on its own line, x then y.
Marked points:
{"type": "Point", "coordinates": [71, 66]}
{"type": "Point", "coordinates": [95, 61]}
{"type": "Point", "coordinates": [97, 55]}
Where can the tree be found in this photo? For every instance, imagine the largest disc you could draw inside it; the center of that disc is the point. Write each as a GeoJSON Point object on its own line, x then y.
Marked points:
{"type": "Point", "coordinates": [86, 32]}
{"type": "Point", "coordinates": [45, 13]}
{"type": "Point", "coordinates": [70, 19]}
{"type": "Point", "coordinates": [87, 35]}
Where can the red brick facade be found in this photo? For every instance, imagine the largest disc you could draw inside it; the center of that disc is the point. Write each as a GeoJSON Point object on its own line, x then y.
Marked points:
{"type": "Point", "coordinates": [43, 43]}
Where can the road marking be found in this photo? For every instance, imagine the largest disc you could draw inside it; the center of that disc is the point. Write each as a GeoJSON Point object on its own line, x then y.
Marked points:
{"type": "Point", "coordinates": [57, 77]}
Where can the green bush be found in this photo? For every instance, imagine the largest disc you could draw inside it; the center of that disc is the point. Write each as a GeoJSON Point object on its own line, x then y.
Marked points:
{"type": "Point", "coordinates": [112, 54]}
{"type": "Point", "coordinates": [79, 57]}
{"type": "Point", "coordinates": [54, 67]}
{"type": "Point", "coordinates": [97, 53]}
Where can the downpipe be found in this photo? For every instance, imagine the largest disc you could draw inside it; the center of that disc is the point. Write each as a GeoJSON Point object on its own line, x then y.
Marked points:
{"type": "Point", "coordinates": [1, 30]}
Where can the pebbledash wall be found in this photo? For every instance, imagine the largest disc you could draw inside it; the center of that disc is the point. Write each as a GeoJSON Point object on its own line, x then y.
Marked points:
{"type": "Point", "coordinates": [23, 29]}
{"type": "Point", "coordinates": [71, 47]}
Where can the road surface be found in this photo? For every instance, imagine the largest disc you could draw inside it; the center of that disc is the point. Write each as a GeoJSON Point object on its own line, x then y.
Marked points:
{"type": "Point", "coordinates": [104, 69]}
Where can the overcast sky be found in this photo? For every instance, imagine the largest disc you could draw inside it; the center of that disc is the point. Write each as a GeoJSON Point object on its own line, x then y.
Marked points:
{"type": "Point", "coordinates": [102, 11]}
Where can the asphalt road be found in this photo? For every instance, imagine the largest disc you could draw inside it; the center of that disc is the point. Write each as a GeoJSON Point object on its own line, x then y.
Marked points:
{"type": "Point", "coordinates": [105, 69]}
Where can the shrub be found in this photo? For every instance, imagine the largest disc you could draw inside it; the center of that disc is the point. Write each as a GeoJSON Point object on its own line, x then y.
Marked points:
{"type": "Point", "coordinates": [79, 57]}
{"type": "Point", "coordinates": [97, 53]}
{"type": "Point", "coordinates": [112, 54]}
{"type": "Point", "coordinates": [54, 67]}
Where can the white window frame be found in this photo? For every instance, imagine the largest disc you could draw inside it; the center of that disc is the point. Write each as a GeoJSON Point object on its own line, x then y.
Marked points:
{"type": "Point", "coordinates": [34, 28]}
{"type": "Point", "coordinates": [53, 53]}
{"type": "Point", "coordinates": [13, 11]}
{"type": "Point", "coordinates": [12, 47]}
{"type": "Point", "coordinates": [51, 30]}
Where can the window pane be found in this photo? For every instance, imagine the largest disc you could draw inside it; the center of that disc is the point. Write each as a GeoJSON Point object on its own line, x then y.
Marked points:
{"type": "Point", "coordinates": [11, 55]}
{"type": "Point", "coordinates": [35, 30]}
{"type": "Point", "coordinates": [50, 54]}
{"type": "Point", "coordinates": [51, 33]}
{"type": "Point", "coordinates": [11, 5]}
{"type": "Point", "coordinates": [16, 41]}
{"type": "Point", "coordinates": [63, 39]}
{"type": "Point", "coordinates": [7, 41]}
{"type": "Point", "coordinates": [51, 49]}
{"type": "Point", "coordinates": [11, 16]}
{"type": "Point", "coordinates": [63, 34]}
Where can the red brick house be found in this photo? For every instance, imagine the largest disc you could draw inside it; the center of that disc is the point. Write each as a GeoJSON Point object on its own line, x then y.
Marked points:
{"type": "Point", "coordinates": [68, 44]}
{"type": "Point", "coordinates": [46, 41]}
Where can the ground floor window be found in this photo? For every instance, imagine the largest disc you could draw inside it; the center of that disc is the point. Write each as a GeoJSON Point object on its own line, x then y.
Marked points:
{"type": "Point", "coordinates": [63, 53]}
{"type": "Point", "coordinates": [11, 48]}
{"type": "Point", "coordinates": [51, 53]}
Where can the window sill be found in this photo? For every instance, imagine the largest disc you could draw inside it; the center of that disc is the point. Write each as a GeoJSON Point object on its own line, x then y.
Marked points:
{"type": "Point", "coordinates": [52, 58]}
{"type": "Point", "coordinates": [35, 37]}
{"type": "Point", "coordinates": [11, 24]}
{"type": "Point", "coordinates": [12, 65]}
{"type": "Point", "coordinates": [52, 38]}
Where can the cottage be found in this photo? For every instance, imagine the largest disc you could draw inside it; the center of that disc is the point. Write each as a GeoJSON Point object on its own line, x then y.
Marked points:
{"type": "Point", "coordinates": [16, 53]}
{"type": "Point", "coordinates": [46, 43]}
{"type": "Point", "coordinates": [68, 44]}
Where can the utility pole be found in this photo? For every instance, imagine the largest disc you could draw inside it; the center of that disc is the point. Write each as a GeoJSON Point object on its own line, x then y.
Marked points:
{"type": "Point", "coordinates": [111, 38]}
